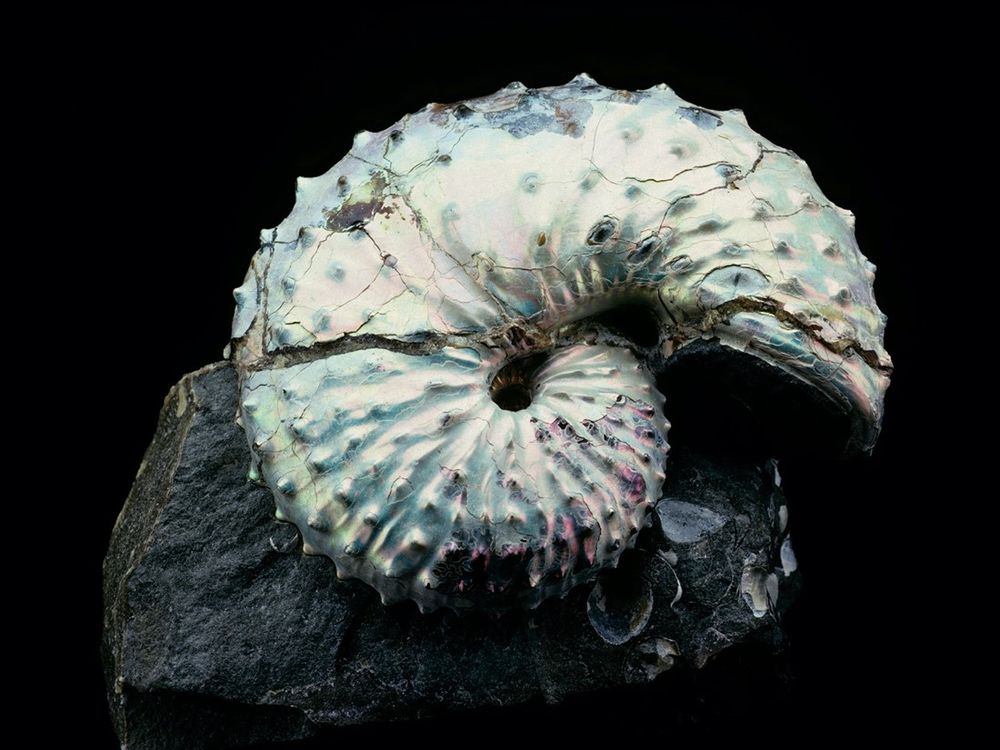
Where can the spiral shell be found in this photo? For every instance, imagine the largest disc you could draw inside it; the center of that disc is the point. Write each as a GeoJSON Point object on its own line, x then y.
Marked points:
{"type": "Point", "coordinates": [462, 252]}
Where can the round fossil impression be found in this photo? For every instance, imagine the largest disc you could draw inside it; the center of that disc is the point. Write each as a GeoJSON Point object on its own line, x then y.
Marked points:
{"type": "Point", "coordinates": [429, 383]}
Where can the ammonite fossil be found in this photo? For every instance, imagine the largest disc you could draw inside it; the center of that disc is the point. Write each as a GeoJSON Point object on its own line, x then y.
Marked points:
{"type": "Point", "coordinates": [427, 382]}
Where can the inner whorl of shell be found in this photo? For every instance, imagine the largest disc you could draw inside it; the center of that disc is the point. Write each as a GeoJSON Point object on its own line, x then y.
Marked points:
{"type": "Point", "coordinates": [420, 387]}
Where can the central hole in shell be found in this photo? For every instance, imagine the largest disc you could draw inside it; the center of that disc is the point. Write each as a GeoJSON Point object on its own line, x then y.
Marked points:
{"type": "Point", "coordinates": [513, 386]}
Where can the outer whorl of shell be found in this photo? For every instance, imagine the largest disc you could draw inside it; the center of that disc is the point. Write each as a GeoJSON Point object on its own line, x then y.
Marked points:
{"type": "Point", "coordinates": [375, 319]}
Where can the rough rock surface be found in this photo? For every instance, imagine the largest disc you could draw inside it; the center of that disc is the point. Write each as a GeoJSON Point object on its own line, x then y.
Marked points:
{"type": "Point", "coordinates": [219, 632]}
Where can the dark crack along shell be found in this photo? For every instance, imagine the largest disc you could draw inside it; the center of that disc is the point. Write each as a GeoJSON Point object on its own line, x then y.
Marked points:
{"type": "Point", "coordinates": [374, 319]}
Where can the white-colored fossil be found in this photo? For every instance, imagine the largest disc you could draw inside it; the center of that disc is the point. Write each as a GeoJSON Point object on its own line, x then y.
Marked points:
{"type": "Point", "coordinates": [421, 387]}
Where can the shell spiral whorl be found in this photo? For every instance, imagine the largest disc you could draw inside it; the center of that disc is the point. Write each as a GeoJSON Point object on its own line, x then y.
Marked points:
{"type": "Point", "coordinates": [464, 252]}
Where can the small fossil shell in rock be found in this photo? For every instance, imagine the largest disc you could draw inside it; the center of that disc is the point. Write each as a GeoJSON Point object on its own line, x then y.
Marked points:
{"type": "Point", "coordinates": [425, 386]}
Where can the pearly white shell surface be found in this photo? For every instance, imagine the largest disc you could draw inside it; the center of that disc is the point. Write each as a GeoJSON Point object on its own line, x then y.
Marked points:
{"type": "Point", "coordinates": [374, 321]}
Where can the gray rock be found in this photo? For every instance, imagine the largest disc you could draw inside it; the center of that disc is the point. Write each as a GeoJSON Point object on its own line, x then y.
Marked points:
{"type": "Point", "coordinates": [219, 632]}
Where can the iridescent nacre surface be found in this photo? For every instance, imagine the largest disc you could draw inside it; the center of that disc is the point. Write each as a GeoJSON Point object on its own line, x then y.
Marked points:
{"type": "Point", "coordinates": [463, 252]}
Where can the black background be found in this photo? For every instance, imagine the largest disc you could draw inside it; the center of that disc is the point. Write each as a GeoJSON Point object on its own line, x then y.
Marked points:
{"type": "Point", "coordinates": [196, 136]}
